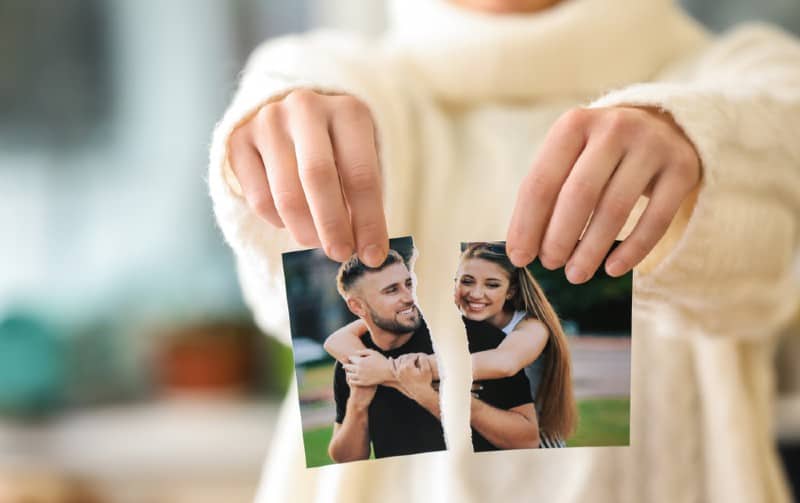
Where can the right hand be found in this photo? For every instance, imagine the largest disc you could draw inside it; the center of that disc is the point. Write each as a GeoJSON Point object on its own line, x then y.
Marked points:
{"type": "Point", "coordinates": [309, 162]}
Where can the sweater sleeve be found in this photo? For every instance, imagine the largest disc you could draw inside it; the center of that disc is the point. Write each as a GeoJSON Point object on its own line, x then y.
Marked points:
{"type": "Point", "coordinates": [729, 266]}
{"type": "Point", "coordinates": [324, 61]}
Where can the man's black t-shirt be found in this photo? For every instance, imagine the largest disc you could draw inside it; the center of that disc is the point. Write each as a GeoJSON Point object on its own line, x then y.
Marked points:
{"type": "Point", "coordinates": [505, 393]}
{"type": "Point", "coordinates": [397, 424]}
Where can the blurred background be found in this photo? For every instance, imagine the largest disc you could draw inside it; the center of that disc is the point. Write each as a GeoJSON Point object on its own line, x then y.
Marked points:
{"type": "Point", "coordinates": [129, 368]}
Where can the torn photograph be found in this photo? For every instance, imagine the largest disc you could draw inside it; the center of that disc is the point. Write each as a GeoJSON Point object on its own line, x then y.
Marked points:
{"type": "Point", "coordinates": [349, 419]}
{"type": "Point", "coordinates": [550, 360]}
{"type": "Point", "coordinates": [554, 353]}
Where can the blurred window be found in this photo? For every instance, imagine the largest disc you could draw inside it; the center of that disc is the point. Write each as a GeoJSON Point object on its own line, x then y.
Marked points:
{"type": "Point", "coordinates": [54, 71]}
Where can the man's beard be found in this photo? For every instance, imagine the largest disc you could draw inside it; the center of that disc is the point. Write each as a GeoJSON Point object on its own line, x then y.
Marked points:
{"type": "Point", "coordinates": [393, 325]}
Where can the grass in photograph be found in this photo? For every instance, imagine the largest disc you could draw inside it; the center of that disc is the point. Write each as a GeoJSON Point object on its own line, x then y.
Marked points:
{"type": "Point", "coordinates": [603, 422]}
{"type": "Point", "coordinates": [316, 445]}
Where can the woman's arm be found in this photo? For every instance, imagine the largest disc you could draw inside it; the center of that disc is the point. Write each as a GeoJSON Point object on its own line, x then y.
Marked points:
{"type": "Point", "coordinates": [520, 348]}
{"type": "Point", "coordinates": [346, 341]}
{"type": "Point", "coordinates": [516, 428]}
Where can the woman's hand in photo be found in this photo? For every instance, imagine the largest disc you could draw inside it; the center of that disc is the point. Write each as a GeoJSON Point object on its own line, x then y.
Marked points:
{"type": "Point", "coordinates": [309, 162]}
{"type": "Point", "coordinates": [368, 367]}
{"type": "Point", "coordinates": [597, 163]}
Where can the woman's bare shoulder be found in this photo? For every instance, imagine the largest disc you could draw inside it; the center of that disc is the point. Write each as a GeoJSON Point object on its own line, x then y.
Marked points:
{"type": "Point", "coordinates": [532, 326]}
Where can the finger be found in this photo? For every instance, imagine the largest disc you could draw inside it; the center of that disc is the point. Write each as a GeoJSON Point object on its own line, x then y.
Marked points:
{"type": "Point", "coordinates": [356, 154]}
{"type": "Point", "coordinates": [364, 352]}
{"type": "Point", "coordinates": [577, 198]}
{"type": "Point", "coordinates": [617, 201]}
{"type": "Point", "coordinates": [539, 189]}
{"type": "Point", "coordinates": [425, 364]}
{"type": "Point", "coordinates": [665, 201]}
{"type": "Point", "coordinates": [278, 154]}
{"type": "Point", "coordinates": [249, 169]}
{"type": "Point", "coordinates": [320, 179]}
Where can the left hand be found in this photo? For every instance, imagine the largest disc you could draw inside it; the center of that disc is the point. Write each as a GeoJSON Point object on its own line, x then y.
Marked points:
{"type": "Point", "coordinates": [414, 376]}
{"type": "Point", "coordinates": [598, 162]}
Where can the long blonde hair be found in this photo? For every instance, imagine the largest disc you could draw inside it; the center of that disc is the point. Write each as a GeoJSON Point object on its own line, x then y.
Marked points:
{"type": "Point", "coordinates": [555, 397]}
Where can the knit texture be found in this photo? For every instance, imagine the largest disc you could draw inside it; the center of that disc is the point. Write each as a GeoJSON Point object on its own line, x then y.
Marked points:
{"type": "Point", "coordinates": [461, 102]}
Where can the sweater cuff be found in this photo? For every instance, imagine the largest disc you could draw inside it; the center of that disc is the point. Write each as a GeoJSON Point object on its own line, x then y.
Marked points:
{"type": "Point", "coordinates": [726, 262]}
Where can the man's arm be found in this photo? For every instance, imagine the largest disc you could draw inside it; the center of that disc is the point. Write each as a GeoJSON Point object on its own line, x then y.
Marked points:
{"type": "Point", "coordinates": [516, 428]}
{"type": "Point", "coordinates": [350, 439]}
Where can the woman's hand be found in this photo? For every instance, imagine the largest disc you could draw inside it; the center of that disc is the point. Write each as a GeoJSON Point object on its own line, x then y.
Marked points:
{"type": "Point", "coordinates": [368, 367]}
{"type": "Point", "coordinates": [309, 162]}
{"type": "Point", "coordinates": [596, 163]}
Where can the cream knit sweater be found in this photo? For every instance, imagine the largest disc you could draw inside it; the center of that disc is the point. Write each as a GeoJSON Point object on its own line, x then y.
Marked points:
{"type": "Point", "coordinates": [462, 101]}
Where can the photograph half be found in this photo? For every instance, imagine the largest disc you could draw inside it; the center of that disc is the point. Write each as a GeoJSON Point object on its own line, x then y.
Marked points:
{"type": "Point", "coordinates": [556, 355]}
{"type": "Point", "coordinates": [355, 329]}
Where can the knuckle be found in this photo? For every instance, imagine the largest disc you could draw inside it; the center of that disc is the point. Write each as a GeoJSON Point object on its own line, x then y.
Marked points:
{"type": "Point", "coordinates": [538, 186]}
{"type": "Point", "coordinates": [581, 190]}
{"type": "Point", "coordinates": [317, 169]}
{"type": "Point", "coordinates": [575, 119]}
{"type": "Point", "coordinates": [368, 228]}
{"type": "Point", "coordinates": [617, 207]}
{"type": "Point", "coordinates": [269, 117]}
{"type": "Point", "coordinates": [262, 205]}
{"type": "Point", "coordinates": [330, 226]}
{"type": "Point", "coordinates": [352, 106]}
{"type": "Point", "coordinates": [289, 202]}
{"type": "Point", "coordinates": [618, 122]}
{"type": "Point", "coordinates": [362, 177]}
{"type": "Point", "coordinates": [300, 98]}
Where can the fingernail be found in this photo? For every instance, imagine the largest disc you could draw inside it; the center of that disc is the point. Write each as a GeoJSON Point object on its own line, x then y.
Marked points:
{"type": "Point", "coordinates": [340, 252]}
{"type": "Point", "coordinates": [519, 258]}
{"type": "Point", "coordinates": [615, 268]}
{"type": "Point", "coordinates": [372, 255]}
{"type": "Point", "coordinates": [575, 274]}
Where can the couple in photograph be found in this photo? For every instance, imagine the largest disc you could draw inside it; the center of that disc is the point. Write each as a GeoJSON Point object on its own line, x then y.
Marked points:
{"type": "Point", "coordinates": [386, 375]}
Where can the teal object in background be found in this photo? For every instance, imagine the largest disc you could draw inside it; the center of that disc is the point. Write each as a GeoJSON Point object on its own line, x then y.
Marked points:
{"type": "Point", "coordinates": [31, 366]}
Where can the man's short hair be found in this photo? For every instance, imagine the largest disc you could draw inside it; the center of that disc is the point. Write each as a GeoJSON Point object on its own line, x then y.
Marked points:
{"type": "Point", "coordinates": [353, 268]}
